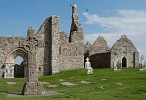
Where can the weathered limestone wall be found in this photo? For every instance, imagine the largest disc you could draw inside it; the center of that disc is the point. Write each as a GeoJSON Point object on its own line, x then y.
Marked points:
{"type": "Point", "coordinates": [40, 55]}
{"type": "Point", "coordinates": [55, 32]}
{"type": "Point", "coordinates": [71, 53]}
{"type": "Point", "coordinates": [45, 52]}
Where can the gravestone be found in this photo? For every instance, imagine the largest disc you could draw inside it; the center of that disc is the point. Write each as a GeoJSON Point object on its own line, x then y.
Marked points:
{"type": "Point", "coordinates": [9, 71]}
{"type": "Point", "coordinates": [142, 63]}
{"type": "Point", "coordinates": [117, 65]}
{"type": "Point", "coordinates": [88, 67]}
{"type": "Point", "coordinates": [32, 86]}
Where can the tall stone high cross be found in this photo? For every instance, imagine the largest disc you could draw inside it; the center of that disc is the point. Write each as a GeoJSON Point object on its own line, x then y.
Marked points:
{"type": "Point", "coordinates": [32, 86]}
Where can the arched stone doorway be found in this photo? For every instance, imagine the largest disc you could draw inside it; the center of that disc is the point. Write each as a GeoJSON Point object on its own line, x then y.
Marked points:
{"type": "Point", "coordinates": [124, 62]}
{"type": "Point", "coordinates": [13, 70]}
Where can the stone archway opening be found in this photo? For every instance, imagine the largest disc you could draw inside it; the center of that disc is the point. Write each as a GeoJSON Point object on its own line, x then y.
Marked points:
{"type": "Point", "coordinates": [124, 62]}
{"type": "Point", "coordinates": [16, 64]}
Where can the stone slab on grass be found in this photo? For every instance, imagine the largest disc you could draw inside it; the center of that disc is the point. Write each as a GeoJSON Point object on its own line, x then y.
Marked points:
{"type": "Point", "coordinates": [11, 83]}
{"type": "Point", "coordinates": [85, 82]}
{"type": "Point", "coordinates": [68, 84]}
{"type": "Point", "coordinates": [119, 83]}
{"type": "Point", "coordinates": [52, 86]}
{"type": "Point", "coordinates": [45, 82]}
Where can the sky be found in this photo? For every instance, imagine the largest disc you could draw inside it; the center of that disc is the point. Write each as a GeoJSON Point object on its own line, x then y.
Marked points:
{"type": "Point", "coordinates": [108, 18]}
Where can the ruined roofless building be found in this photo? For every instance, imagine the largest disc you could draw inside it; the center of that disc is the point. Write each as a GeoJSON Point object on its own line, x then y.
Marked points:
{"type": "Point", "coordinates": [125, 51]}
{"type": "Point", "coordinates": [56, 51]}
{"type": "Point", "coordinates": [102, 56]}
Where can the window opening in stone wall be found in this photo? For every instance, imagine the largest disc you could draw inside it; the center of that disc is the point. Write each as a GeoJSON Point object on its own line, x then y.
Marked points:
{"type": "Point", "coordinates": [39, 69]}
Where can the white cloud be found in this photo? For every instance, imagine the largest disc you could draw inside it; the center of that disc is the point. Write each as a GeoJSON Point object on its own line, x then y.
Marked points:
{"type": "Point", "coordinates": [129, 22]}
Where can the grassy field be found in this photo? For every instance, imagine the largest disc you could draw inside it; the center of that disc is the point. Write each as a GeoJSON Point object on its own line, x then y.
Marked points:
{"type": "Point", "coordinates": [106, 84]}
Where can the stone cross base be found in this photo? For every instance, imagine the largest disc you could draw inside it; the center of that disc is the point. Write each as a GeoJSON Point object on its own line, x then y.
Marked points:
{"type": "Point", "coordinates": [33, 88]}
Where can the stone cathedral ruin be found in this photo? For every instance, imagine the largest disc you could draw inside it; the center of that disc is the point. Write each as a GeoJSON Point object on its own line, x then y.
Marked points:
{"type": "Point", "coordinates": [56, 51]}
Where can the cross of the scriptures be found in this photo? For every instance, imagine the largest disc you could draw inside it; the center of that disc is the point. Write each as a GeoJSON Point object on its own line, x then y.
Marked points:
{"type": "Point", "coordinates": [30, 45]}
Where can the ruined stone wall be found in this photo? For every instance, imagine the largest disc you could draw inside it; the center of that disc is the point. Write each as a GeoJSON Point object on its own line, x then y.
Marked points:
{"type": "Point", "coordinates": [64, 51]}
{"type": "Point", "coordinates": [50, 29]}
{"type": "Point", "coordinates": [55, 32]}
{"type": "Point", "coordinates": [40, 55]}
{"type": "Point", "coordinates": [71, 53]}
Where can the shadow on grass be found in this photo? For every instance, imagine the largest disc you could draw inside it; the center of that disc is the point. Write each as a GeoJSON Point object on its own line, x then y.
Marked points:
{"type": "Point", "coordinates": [144, 91]}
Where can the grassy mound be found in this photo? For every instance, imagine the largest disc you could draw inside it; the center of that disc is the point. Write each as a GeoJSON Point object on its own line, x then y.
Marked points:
{"type": "Point", "coordinates": [104, 84]}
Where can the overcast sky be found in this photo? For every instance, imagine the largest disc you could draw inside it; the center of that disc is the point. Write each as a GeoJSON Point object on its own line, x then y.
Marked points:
{"type": "Point", "coordinates": [109, 18]}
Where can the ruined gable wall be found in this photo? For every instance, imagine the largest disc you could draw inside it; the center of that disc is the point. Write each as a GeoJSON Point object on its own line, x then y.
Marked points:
{"type": "Point", "coordinates": [100, 54]}
{"type": "Point", "coordinates": [99, 46]}
{"type": "Point", "coordinates": [124, 48]}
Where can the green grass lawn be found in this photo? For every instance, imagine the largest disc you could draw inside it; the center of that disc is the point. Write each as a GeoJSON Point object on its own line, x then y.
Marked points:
{"type": "Point", "coordinates": [106, 84]}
